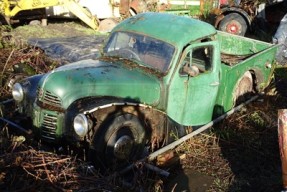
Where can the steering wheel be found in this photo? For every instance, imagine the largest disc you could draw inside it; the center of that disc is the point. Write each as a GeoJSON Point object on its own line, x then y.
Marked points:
{"type": "Point", "coordinates": [130, 53]}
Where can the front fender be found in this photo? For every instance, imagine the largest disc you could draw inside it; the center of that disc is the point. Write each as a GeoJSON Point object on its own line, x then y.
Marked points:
{"type": "Point", "coordinates": [100, 109]}
{"type": "Point", "coordinates": [29, 85]}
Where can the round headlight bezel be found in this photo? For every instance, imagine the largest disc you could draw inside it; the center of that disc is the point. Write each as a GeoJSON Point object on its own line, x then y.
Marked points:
{"type": "Point", "coordinates": [81, 125]}
{"type": "Point", "coordinates": [18, 92]}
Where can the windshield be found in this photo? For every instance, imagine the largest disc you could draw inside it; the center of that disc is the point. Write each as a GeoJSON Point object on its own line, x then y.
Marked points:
{"type": "Point", "coordinates": [150, 51]}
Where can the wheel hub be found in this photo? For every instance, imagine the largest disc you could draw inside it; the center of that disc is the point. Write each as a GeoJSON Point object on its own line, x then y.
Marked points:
{"type": "Point", "coordinates": [233, 28]}
{"type": "Point", "coordinates": [123, 147]}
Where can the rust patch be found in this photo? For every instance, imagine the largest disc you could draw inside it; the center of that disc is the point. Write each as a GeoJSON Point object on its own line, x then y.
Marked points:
{"type": "Point", "coordinates": [243, 87]}
{"type": "Point", "coordinates": [139, 6]}
{"type": "Point", "coordinates": [124, 7]}
{"type": "Point", "coordinates": [282, 137]}
{"type": "Point", "coordinates": [233, 59]}
{"type": "Point", "coordinates": [135, 19]}
{"type": "Point", "coordinates": [50, 107]}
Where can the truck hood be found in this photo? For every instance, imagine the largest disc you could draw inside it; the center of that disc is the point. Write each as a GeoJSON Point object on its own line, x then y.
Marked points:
{"type": "Point", "coordinates": [94, 78]}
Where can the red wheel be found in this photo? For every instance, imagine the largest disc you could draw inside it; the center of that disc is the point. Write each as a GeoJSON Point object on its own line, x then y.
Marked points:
{"type": "Point", "coordinates": [233, 23]}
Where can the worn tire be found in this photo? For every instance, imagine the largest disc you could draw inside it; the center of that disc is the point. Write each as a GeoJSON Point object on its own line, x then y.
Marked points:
{"type": "Point", "coordinates": [233, 23]}
{"type": "Point", "coordinates": [107, 25]}
{"type": "Point", "coordinates": [120, 141]}
{"type": "Point", "coordinates": [244, 88]}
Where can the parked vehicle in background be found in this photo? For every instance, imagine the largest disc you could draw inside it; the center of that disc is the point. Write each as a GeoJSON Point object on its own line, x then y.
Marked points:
{"type": "Point", "coordinates": [235, 17]}
{"type": "Point", "coordinates": [11, 9]}
{"type": "Point", "coordinates": [229, 16]}
{"type": "Point", "coordinates": [98, 15]}
{"type": "Point", "coordinates": [147, 88]}
{"type": "Point", "coordinates": [107, 12]}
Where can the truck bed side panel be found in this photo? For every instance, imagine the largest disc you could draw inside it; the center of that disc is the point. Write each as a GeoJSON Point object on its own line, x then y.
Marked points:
{"type": "Point", "coordinates": [256, 64]}
{"type": "Point", "coordinates": [238, 45]}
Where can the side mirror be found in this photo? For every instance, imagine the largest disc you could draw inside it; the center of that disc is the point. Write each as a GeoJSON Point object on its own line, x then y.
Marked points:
{"type": "Point", "coordinates": [192, 71]}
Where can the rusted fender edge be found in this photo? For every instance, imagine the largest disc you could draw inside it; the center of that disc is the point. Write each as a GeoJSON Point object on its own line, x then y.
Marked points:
{"type": "Point", "coordinates": [119, 104]}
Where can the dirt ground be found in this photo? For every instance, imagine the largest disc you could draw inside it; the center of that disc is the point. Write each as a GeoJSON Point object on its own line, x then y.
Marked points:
{"type": "Point", "coordinates": [239, 154]}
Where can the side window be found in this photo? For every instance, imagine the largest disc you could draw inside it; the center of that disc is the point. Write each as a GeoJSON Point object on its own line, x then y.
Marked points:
{"type": "Point", "coordinates": [202, 58]}
{"type": "Point", "coordinates": [197, 61]}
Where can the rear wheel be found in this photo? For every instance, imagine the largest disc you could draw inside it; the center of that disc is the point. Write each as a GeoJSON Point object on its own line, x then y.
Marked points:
{"type": "Point", "coordinates": [244, 88]}
{"type": "Point", "coordinates": [120, 142]}
{"type": "Point", "coordinates": [233, 23]}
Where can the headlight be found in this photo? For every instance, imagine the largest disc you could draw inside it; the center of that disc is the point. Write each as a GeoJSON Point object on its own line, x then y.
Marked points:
{"type": "Point", "coordinates": [17, 92]}
{"type": "Point", "coordinates": [81, 125]}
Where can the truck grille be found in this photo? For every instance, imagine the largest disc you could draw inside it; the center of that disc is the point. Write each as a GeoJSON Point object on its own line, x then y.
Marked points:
{"type": "Point", "coordinates": [48, 97]}
{"type": "Point", "coordinates": [49, 127]}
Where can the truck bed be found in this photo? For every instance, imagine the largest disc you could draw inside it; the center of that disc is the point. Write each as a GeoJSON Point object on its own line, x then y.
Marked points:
{"type": "Point", "coordinates": [239, 55]}
{"type": "Point", "coordinates": [235, 49]}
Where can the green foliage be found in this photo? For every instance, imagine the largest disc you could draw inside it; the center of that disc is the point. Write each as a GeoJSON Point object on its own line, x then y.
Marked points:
{"type": "Point", "coordinates": [257, 119]}
{"type": "Point", "coordinates": [4, 37]}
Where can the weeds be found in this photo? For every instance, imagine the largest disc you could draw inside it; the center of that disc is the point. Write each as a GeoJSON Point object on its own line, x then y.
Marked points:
{"type": "Point", "coordinates": [242, 152]}
{"type": "Point", "coordinates": [25, 62]}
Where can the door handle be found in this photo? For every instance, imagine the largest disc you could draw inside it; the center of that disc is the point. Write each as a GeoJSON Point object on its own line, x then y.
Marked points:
{"type": "Point", "coordinates": [214, 84]}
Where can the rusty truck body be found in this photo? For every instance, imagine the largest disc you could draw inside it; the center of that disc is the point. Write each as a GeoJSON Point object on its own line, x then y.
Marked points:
{"type": "Point", "coordinates": [153, 83]}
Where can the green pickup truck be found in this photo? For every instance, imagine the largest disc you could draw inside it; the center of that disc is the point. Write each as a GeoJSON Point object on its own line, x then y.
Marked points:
{"type": "Point", "coordinates": [159, 76]}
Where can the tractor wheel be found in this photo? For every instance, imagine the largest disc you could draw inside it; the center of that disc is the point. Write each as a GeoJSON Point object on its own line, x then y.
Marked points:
{"type": "Point", "coordinates": [233, 23]}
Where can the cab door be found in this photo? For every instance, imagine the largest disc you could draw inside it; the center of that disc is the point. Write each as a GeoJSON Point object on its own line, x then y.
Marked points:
{"type": "Point", "coordinates": [195, 83]}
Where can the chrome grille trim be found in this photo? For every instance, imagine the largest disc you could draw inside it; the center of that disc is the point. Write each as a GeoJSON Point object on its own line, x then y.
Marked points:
{"type": "Point", "coordinates": [49, 138]}
{"type": "Point", "coordinates": [48, 97]}
{"type": "Point", "coordinates": [49, 127]}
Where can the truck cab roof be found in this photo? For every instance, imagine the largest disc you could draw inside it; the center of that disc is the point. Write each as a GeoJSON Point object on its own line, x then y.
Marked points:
{"type": "Point", "coordinates": [167, 27]}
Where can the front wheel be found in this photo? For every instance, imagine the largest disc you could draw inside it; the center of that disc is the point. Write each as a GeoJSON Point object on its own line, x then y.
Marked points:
{"type": "Point", "coordinates": [233, 23]}
{"type": "Point", "coordinates": [120, 141]}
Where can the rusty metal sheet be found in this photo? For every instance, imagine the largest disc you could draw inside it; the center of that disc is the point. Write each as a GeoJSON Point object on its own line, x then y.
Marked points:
{"type": "Point", "coordinates": [282, 136]}
{"type": "Point", "coordinates": [124, 7]}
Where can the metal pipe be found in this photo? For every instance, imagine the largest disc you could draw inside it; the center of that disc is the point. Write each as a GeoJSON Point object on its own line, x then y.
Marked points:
{"type": "Point", "coordinates": [17, 126]}
{"type": "Point", "coordinates": [6, 101]}
{"type": "Point", "coordinates": [172, 145]}
{"type": "Point", "coordinates": [157, 170]}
